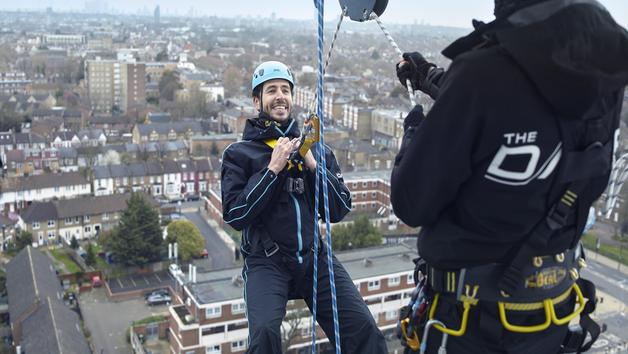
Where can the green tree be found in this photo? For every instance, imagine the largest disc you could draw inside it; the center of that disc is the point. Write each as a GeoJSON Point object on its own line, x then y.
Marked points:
{"type": "Point", "coordinates": [359, 234]}
{"type": "Point", "coordinates": [10, 119]}
{"type": "Point", "coordinates": [91, 255]}
{"type": "Point", "coordinates": [24, 238]}
{"type": "Point", "coordinates": [169, 84]}
{"type": "Point", "coordinates": [137, 240]}
{"type": "Point", "coordinates": [188, 238]}
{"type": "Point", "coordinates": [74, 243]}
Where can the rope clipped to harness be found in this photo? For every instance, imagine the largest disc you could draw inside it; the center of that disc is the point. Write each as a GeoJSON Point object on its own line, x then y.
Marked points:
{"type": "Point", "coordinates": [321, 173]}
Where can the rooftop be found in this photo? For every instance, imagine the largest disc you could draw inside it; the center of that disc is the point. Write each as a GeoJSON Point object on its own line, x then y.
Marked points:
{"type": "Point", "coordinates": [223, 285]}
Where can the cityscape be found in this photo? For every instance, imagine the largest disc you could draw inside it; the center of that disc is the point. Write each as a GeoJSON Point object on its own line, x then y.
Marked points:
{"type": "Point", "coordinates": [113, 124]}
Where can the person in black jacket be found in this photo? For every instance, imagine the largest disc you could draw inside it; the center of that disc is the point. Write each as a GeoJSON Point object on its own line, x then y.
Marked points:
{"type": "Point", "coordinates": [272, 202]}
{"type": "Point", "coordinates": [487, 166]}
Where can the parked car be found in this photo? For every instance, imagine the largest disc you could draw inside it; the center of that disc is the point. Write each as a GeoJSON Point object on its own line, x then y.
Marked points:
{"type": "Point", "coordinates": [174, 270]}
{"type": "Point", "coordinates": [96, 281]}
{"type": "Point", "coordinates": [162, 292]}
{"type": "Point", "coordinates": [192, 197]}
{"type": "Point", "coordinates": [158, 299]}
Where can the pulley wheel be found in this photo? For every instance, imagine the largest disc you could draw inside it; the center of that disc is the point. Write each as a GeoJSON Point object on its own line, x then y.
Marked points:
{"type": "Point", "coordinates": [360, 10]}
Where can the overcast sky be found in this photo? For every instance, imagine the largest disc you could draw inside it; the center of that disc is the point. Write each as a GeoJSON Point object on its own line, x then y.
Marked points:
{"type": "Point", "coordinates": [436, 12]}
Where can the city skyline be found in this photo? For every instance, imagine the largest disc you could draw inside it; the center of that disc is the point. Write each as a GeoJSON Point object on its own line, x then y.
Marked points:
{"type": "Point", "coordinates": [455, 13]}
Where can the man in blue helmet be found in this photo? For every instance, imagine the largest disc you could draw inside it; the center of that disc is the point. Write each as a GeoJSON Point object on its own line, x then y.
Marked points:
{"type": "Point", "coordinates": [500, 174]}
{"type": "Point", "coordinates": [272, 202]}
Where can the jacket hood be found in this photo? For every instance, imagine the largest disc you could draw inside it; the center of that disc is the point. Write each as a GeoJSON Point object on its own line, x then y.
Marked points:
{"type": "Point", "coordinates": [263, 128]}
{"type": "Point", "coordinates": [572, 50]}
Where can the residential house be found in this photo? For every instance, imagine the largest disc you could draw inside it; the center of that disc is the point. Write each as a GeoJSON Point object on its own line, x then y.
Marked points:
{"type": "Point", "coordinates": [65, 139]}
{"type": "Point", "coordinates": [92, 137]}
{"type": "Point", "coordinates": [40, 321]}
{"type": "Point", "coordinates": [68, 159]}
{"type": "Point", "coordinates": [8, 230]}
{"type": "Point", "coordinates": [357, 155]}
{"type": "Point", "coordinates": [169, 178]}
{"type": "Point", "coordinates": [15, 164]}
{"type": "Point", "coordinates": [17, 193]}
{"type": "Point", "coordinates": [358, 120]}
{"type": "Point", "coordinates": [387, 126]}
{"type": "Point", "coordinates": [214, 144]}
{"type": "Point", "coordinates": [166, 131]}
{"type": "Point", "coordinates": [212, 315]}
{"type": "Point", "coordinates": [80, 218]}
{"type": "Point", "coordinates": [114, 126]}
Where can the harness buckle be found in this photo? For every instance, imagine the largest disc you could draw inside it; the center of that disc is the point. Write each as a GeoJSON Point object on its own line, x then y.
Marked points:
{"type": "Point", "coordinates": [558, 217]}
{"type": "Point", "coordinates": [271, 251]}
{"type": "Point", "coordinates": [295, 185]}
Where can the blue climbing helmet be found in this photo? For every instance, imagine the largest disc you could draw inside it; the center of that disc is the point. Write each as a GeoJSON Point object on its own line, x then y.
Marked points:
{"type": "Point", "coordinates": [270, 70]}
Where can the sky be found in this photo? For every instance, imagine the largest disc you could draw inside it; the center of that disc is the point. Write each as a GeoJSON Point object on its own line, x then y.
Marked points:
{"type": "Point", "coordinates": [457, 13]}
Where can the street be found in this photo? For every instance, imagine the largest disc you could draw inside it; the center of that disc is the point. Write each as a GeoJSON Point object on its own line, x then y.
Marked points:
{"type": "Point", "coordinates": [220, 255]}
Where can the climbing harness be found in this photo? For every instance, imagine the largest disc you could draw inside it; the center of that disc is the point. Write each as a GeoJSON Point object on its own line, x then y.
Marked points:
{"type": "Point", "coordinates": [548, 282]}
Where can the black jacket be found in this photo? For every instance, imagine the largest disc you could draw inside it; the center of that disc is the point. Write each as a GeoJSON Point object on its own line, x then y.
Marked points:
{"type": "Point", "coordinates": [478, 172]}
{"type": "Point", "coordinates": [254, 199]}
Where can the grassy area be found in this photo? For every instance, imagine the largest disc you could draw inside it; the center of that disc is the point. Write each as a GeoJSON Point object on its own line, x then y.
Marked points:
{"type": "Point", "coordinates": [151, 319]}
{"type": "Point", "coordinates": [70, 265]}
{"type": "Point", "coordinates": [610, 251]}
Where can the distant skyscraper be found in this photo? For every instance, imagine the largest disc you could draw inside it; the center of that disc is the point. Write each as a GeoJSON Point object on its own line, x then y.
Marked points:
{"type": "Point", "coordinates": [157, 14]}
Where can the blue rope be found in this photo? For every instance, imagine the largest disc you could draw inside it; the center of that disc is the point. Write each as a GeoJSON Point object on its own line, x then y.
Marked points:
{"type": "Point", "coordinates": [322, 174]}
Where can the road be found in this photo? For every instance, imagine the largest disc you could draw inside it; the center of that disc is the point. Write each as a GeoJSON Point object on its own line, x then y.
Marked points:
{"type": "Point", "coordinates": [221, 256]}
{"type": "Point", "coordinates": [607, 279]}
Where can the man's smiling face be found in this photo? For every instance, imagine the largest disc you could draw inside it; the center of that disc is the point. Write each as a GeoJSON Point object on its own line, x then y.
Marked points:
{"type": "Point", "coordinates": [276, 99]}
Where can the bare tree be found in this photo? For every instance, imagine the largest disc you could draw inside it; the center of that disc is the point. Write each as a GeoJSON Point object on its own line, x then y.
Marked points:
{"type": "Point", "coordinates": [291, 326]}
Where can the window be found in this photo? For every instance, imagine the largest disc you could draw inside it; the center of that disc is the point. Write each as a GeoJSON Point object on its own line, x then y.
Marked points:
{"type": "Point", "coordinates": [213, 312]}
{"type": "Point", "coordinates": [391, 315]}
{"type": "Point", "coordinates": [213, 349]}
{"type": "Point", "coordinates": [374, 195]}
{"type": "Point", "coordinates": [410, 278]}
{"type": "Point", "coordinates": [68, 221]}
{"type": "Point", "coordinates": [77, 219]}
{"type": "Point", "coordinates": [51, 223]}
{"type": "Point", "coordinates": [35, 225]}
{"type": "Point", "coordinates": [394, 281]}
{"type": "Point", "coordinates": [238, 308]}
{"type": "Point", "coordinates": [365, 184]}
{"type": "Point", "coordinates": [51, 234]}
{"type": "Point", "coordinates": [88, 229]}
{"type": "Point", "coordinates": [238, 345]}
{"type": "Point", "coordinates": [105, 216]}
{"type": "Point", "coordinates": [86, 218]}
{"type": "Point", "coordinates": [56, 189]}
{"type": "Point", "coordinates": [373, 285]}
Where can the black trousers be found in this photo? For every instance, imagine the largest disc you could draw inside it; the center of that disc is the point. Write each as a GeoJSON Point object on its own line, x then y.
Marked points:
{"type": "Point", "coordinates": [271, 282]}
{"type": "Point", "coordinates": [485, 334]}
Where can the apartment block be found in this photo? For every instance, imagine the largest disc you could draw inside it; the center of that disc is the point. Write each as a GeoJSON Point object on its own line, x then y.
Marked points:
{"type": "Point", "coordinates": [115, 86]}
{"type": "Point", "coordinates": [211, 317]}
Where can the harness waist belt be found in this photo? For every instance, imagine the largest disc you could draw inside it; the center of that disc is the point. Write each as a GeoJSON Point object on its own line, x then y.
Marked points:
{"type": "Point", "coordinates": [544, 277]}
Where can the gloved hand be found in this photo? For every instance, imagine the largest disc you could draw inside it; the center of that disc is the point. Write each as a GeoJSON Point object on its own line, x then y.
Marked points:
{"type": "Point", "coordinates": [413, 67]}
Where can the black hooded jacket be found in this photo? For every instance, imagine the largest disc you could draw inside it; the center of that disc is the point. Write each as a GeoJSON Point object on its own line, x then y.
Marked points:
{"type": "Point", "coordinates": [479, 172]}
{"type": "Point", "coordinates": [254, 198]}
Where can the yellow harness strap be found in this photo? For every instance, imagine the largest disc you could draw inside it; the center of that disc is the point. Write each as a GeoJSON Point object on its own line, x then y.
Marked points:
{"type": "Point", "coordinates": [272, 143]}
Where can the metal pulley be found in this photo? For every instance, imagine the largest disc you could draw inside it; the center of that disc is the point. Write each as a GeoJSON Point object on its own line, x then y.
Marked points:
{"type": "Point", "coordinates": [360, 10]}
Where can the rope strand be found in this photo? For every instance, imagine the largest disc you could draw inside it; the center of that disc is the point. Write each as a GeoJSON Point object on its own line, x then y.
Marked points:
{"type": "Point", "coordinates": [321, 174]}
{"type": "Point", "coordinates": [398, 50]}
{"type": "Point", "coordinates": [331, 49]}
